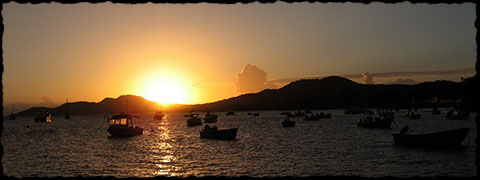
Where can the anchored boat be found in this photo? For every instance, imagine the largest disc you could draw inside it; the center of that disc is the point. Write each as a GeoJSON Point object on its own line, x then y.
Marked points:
{"type": "Point", "coordinates": [444, 138]}
{"type": "Point", "coordinates": [210, 118]}
{"type": "Point", "coordinates": [288, 123]}
{"type": "Point", "coordinates": [121, 125]}
{"type": "Point", "coordinates": [215, 133]}
{"type": "Point", "coordinates": [43, 117]}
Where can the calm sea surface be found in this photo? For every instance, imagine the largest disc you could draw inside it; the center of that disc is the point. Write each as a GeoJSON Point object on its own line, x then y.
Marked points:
{"type": "Point", "coordinates": [81, 146]}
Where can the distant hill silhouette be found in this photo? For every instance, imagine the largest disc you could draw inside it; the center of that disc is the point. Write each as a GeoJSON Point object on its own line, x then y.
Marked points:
{"type": "Point", "coordinates": [336, 92]}
{"type": "Point", "coordinates": [136, 104]}
{"type": "Point", "coordinates": [328, 93]}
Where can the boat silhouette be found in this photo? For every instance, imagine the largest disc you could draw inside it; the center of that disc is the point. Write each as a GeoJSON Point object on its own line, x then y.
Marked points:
{"type": "Point", "coordinates": [43, 117]}
{"type": "Point", "coordinates": [382, 122]}
{"type": "Point", "coordinates": [457, 114]}
{"type": "Point", "coordinates": [215, 133]}
{"type": "Point", "coordinates": [121, 125]}
{"type": "Point", "coordinates": [288, 123]}
{"type": "Point", "coordinates": [210, 118]}
{"type": "Point", "coordinates": [194, 120]}
{"type": "Point", "coordinates": [412, 115]}
{"type": "Point", "coordinates": [158, 115]}
{"type": "Point", "coordinates": [444, 138]}
{"type": "Point", "coordinates": [316, 117]}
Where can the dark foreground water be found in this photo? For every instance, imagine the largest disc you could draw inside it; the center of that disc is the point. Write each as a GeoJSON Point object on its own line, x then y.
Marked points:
{"type": "Point", "coordinates": [81, 146]}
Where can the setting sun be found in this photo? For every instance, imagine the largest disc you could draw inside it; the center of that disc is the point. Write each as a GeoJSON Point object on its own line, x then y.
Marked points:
{"type": "Point", "coordinates": [165, 89]}
{"type": "Point", "coordinates": [165, 93]}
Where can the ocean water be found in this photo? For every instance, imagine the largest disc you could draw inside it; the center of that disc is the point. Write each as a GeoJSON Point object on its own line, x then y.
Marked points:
{"type": "Point", "coordinates": [81, 146]}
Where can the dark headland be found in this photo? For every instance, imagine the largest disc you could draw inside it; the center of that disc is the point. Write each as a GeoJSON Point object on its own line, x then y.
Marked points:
{"type": "Point", "coordinates": [332, 92]}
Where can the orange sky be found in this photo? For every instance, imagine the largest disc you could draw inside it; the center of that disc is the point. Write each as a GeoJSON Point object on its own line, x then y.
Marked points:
{"type": "Point", "coordinates": [86, 52]}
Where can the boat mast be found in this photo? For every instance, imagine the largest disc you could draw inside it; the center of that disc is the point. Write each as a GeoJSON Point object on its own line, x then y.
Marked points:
{"type": "Point", "coordinates": [67, 106]}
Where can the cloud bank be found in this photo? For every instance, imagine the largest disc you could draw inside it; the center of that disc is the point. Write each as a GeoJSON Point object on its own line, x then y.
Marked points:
{"type": "Point", "coordinates": [252, 79]}
{"type": "Point", "coordinates": [367, 78]}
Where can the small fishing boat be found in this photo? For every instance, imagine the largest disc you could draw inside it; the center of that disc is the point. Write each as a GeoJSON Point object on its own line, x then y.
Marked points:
{"type": "Point", "coordinates": [358, 111]}
{"type": "Point", "coordinates": [311, 118]}
{"type": "Point", "coordinates": [43, 117]}
{"type": "Point", "coordinates": [288, 123]}
{"type": "Point", "coordinates": [210, 118]}
{"type": "Point", "coordinates": [325, 116]}
{"type": "Point", "coordinates": [230, 113]}
{"type": "Point", "coordinates": [214, 133]}
{"type": "Point", "coordinates": [316, 117]}
{"type": "Point", "coordinates": [194, 120]}
{"type": "Point", "coordinates": [289, 114]}
{"type": "Point", "coordinates": [121, 125]}
{"type": "Point", "coordinates": [385, 113]}
{"type": "Point", "coordinates": [412, 115]}
{"type": "Point", "coordinates": [189, 114]}
{"type": "Point", "coordinates": [456, 114]}
{"type": "Point", "coordinates": [299, 114]}
{"type": "Point", "coordinates": [444, 138]}
{"type": "Point", "coordinates": [435, 111]}
{"type": "Point", "coordinates": [158, 115]}
{"type": "Point", "coordinates": [383, 122]}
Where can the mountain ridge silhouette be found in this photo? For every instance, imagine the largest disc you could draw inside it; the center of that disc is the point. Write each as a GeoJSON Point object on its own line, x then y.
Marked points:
{"type": "Point", "coordinates": [333, 92]}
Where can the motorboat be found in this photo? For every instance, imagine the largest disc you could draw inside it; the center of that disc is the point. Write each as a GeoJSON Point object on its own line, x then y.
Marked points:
{"type": "Point", "coordinates": [412, 115]}
{"type": "Point", "coordinates": [456, 114]}
{"type": "Point", "coordinates": [443, 138]}
{"type": "Point", "coordinates": [288, 123]}
{"type": "Point", "coordinates": [316, 117]}
{"type": "Point", "coordinates": [210, 118]}
{"type": "Point", "coordinates": [385, 113]}
{"type": "Point", "coordinates": [299, 114]}
{"type": "Point", "coordinates": [158, 115]}
{"type": "Point", "coordinates": [311, 118]}
{"type": "Point", "coordinates": [194, 120]}
{"type": "Point", "coordinates": [358, 111]}
{"type": "Point", "coordinates": [215, 133]}
{"type": "Point", "coordinates": [325, 115]}
{"type": "Point", "coordinates": [121, 125]}
{"type": "Point", "coordinates": [43, 117]}
{"type": "Point", "coordinates": [382, 122]}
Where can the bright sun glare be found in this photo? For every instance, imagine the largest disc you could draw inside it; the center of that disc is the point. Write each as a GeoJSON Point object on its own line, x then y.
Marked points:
{"type": "Point", "coordinates": [165, 90]}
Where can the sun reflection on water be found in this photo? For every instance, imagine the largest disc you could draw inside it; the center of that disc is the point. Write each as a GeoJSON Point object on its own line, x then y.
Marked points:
{"type": "Point", "coordinates": [162, 152]}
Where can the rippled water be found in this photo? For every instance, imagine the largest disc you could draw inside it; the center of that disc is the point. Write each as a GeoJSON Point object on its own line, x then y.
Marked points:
{"type": "Point", "coordinates": [81, 146]}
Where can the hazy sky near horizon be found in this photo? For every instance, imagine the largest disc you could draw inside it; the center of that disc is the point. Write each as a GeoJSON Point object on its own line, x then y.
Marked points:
{"type": "Point", "coordinates": [85, 52]}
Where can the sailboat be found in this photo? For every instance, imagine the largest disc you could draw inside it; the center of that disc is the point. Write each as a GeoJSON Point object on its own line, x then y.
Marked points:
{"type": "Point", "coordinates": [12, 116]}
{"type": "Point", "coordinates": [158, 114]}
{"type": "Point", "coordinates": [67, 116]}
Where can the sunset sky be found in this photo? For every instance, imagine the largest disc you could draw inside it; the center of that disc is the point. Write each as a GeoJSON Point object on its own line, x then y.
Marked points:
{"type": "Point", "coordinates": [198, 53]}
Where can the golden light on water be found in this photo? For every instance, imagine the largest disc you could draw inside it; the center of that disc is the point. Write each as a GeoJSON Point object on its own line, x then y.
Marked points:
{"type": "Point", "coordinates": [164, 155]}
